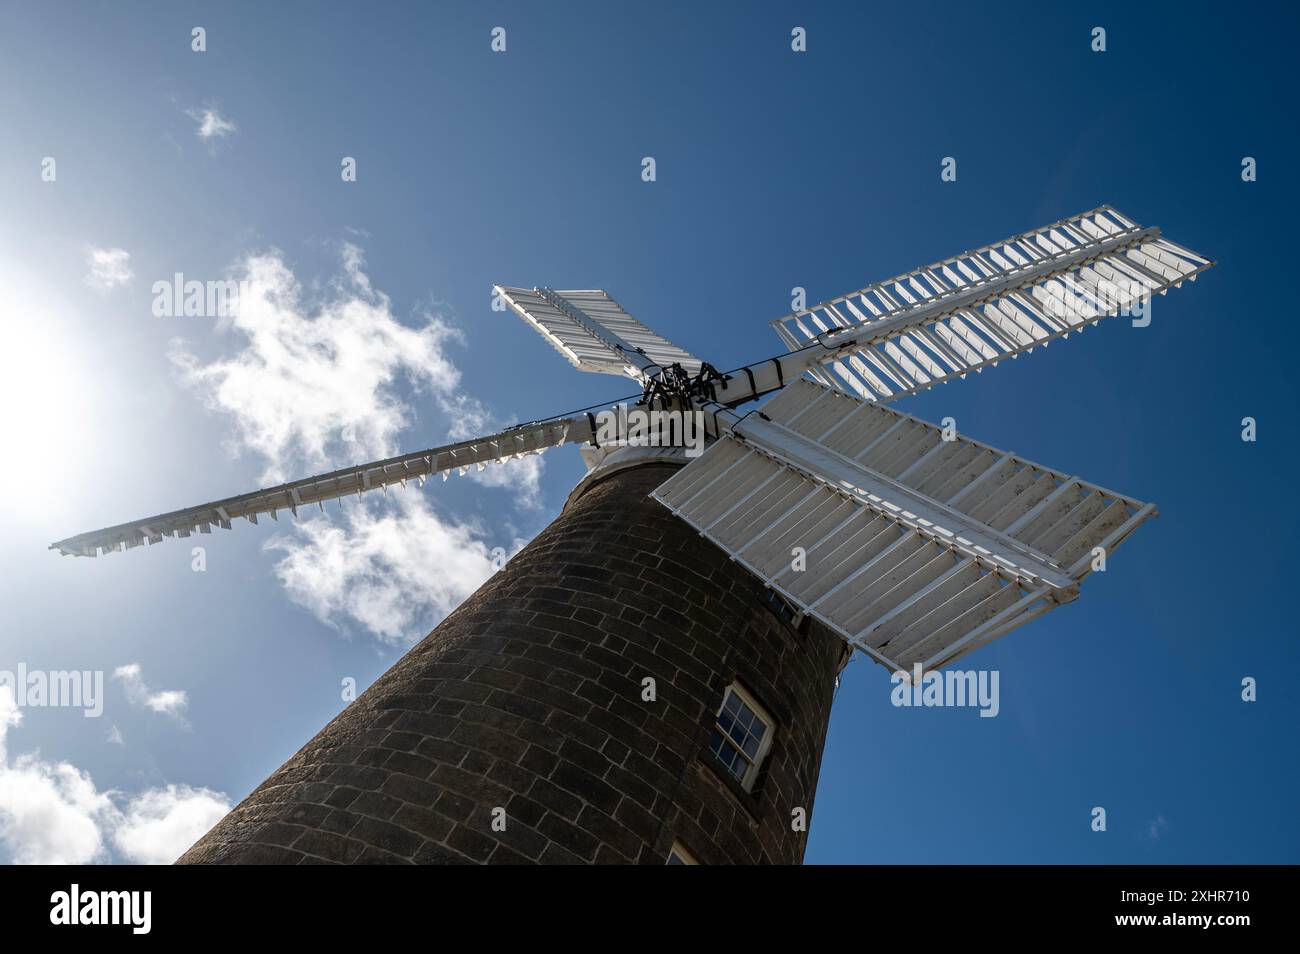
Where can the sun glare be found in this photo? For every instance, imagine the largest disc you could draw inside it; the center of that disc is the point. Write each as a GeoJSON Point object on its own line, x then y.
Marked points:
{"type": "Point", "coordinates": [43, 383]}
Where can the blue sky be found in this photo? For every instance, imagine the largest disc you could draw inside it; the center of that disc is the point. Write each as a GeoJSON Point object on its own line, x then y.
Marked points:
{"type": "Point", "coordinates": [774, 170]}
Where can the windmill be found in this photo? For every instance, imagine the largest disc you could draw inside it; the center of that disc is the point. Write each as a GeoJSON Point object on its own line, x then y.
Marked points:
{"type": "Point", "coordinates": [650, 679]}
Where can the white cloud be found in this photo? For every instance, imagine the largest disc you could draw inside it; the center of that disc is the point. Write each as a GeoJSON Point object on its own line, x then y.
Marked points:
{"type": "Point", "coordinates": [395, 571]}
{"type": "Point", "coordinates": [159, 825]}
{"type": "Point", "coordinates": [1157, 827]}
{"type": "Point", "coordinates": [53, 813]}
{"type": "Point", "coordinates": [169, 702]}
{"type": "Point", "coordinates": [469, 418]}
{"type": "Point", "coordinates": [522, 474]}
{"type": "Point", "coordinates": [315, 386]}
{"type": "Point", "coordinates": [115, 735]}
{"type": "Point", "coordinates": [50, 813]}
{"type": "Point", "coordinates": [212, 125]}
{"type": "Point", "coordinates": [109, 268]}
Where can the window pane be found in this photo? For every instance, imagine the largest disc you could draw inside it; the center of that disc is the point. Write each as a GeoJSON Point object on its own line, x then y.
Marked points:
{"type": "Point", "coordinates": [738, 765]}
{"type": "Point", "coordinates": [717, 745]}
{"type": "Point", "coordinates": [728, 755]}
{"type": "Point", "coordinates": [746, 718]}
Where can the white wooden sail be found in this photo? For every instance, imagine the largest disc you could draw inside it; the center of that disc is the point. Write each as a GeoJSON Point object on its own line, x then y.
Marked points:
{"type": "Point", "coordinates": [971, 311]}
{"type": "Point", "coordinates": [594, 333]}
{"type": "Point", "coordinates": [347, 481]}
{"type": "Point", "coordinates": [914, 548]}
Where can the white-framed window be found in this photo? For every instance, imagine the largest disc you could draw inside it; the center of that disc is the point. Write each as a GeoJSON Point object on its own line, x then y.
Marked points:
{"type": "Point", "coordinates": [680, 856]}
{"type": "Point", "coordinates": [742, 735]}
{"type": "Point", "coordinates": [785, 610]}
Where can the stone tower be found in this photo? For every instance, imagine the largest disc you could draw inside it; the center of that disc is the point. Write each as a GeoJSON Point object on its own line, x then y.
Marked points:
{"type": "Point", "coordinates": [519, 730]}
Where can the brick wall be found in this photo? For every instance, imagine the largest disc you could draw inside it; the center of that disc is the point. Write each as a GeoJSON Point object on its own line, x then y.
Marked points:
{"type": "Point", "coordinates": [528, 698]}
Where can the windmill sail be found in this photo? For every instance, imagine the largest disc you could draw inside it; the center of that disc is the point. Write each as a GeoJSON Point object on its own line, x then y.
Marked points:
{"type": "Point", "coordinates": [594, 333]}
{"type": "Point", "coordinates": [516, 442]}
{"type": "Point", "coordinates": [917, 549]}
{"type": "Point", "coordinates": [972, 311]}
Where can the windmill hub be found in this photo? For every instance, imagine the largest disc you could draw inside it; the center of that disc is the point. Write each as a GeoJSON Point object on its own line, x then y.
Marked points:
{"type": "Point", "coordinates": [675, 386]}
